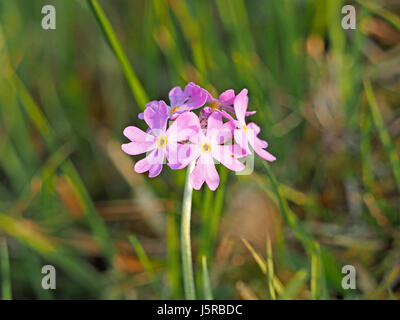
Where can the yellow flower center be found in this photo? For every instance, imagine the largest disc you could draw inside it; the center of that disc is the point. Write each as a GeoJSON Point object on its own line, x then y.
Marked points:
{"type": "Point", "coordinates": [162, 142]}
{"type": "Point", "coordinates": [206, 147]}
{"type": "Point", "coordinates": [245, 128]}
{"type": "Point", "coordinates": [173, 110]}
{"type": "Point", "coordinates": [214, 105]}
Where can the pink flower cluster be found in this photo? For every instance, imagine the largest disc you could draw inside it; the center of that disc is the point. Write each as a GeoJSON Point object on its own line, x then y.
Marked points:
{"type": "Point", "coordinates": [203, 139]}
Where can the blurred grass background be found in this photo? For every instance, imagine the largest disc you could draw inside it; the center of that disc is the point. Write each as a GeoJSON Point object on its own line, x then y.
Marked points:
{"type": "Point", "coordinates": [327, 100]}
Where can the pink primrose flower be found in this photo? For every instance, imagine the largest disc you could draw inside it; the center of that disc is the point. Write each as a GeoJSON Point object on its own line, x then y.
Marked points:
{"type": "Point", "coordinates": [246, 134]}
{"type": "Point", "coordinates": [159, 142]}
{"type": "Point", "coordinates": [210, 145]}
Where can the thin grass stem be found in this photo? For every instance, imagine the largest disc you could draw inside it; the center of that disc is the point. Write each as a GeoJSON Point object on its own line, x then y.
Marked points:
{"type": "Point", "coordinates": [133, 81]}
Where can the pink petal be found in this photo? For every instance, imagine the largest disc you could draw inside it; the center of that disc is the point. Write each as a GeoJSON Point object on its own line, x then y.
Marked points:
{"type": "Point", "coordinates": [241, 139]}
{"type": "Point", "coordinates": [264, 154]}
{"type": "Point", "coordinates": [156, 117]}
{"type": "Point", "coordinates": [253, 131]}
{"type": "Point", "coordinates": [262, 143]}
{"type": "Point", "coordinates": [240, 105]}
{"type": "Point", "coordinates": [177, 96]}
{"type": "Point", "coordinates": [143, 165]}
{"type": "Point", "coordinates": [185, 127]}
{"type": "Point", "coordinates": [226, 132]}
{"type": "Point", "coordinates": [188, 88]}
{"type": "Point", "coordinates": [258, 144]}
{"type": "Point", "coordinates": [204, 172]}
{"type": "Point", "coordinates": [226, 155]}
{"type": "Point", "coordinates": [252, 126]}
{"type": "Point", "coordinates": [217, 131]}
{"type": "Point", "coordinates": [141, 141]}
{"type": "Point", "coordinates": [152, 163]}
{"type": "Point", "coordinates": [197, 177]}
{"type": "Point", "coordinates": [212, 177]}
{"type": "Point", "coordinates": [227, 97]}
{"type": "Point", "coordinates": [180, 155]}
{"type": "Point", "coordinates": [198, 96]}
{"type": "Point", "coordinates": [214, 124]}
{"type": "Point", "coordinates": [250, 113]}
{"type": "Point", "coordinates": [237, 151]}
{"type": "Point", "coordinates": [155, 170]}
{"type": "Point", "coordinates": [134, 148]}
{"type": "Point", "coordinates": [135, 134]}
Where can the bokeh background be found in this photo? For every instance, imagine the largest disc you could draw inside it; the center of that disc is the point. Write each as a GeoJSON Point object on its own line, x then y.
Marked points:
{"type": "Point", "coordinates": [327, 101]}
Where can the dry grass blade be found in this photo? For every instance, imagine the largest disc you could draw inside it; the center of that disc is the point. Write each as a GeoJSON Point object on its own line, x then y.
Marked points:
{"type": "Point", "coordinates": [263, 266]}
{"type": "Point", "coordinates": [270, 271]}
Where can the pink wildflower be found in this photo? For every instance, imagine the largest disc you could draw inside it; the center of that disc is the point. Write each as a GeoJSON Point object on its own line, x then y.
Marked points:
{"type": "Point", "coordinates": [212, 145]}
{"type": "Point", "coordinates": [246, 134]}
{"type": "Point", "coordinates": [158, 141]}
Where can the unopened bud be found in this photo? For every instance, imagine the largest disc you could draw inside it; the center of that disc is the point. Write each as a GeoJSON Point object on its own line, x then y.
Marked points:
{"type": "Point", "coordinates": [205, 113]}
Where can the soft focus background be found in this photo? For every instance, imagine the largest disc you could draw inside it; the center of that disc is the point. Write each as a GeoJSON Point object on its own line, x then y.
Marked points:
{"type": "Point", "coordinates": [327, 100]}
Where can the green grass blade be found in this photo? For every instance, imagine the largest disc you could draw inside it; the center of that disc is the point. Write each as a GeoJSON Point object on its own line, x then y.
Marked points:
{"type": "Point", "coordinates": [5, 270]}
{"type": "Point", "coordinates": [144, 259]}
{"type": "Point", "coordinates": [165, 35]}
{"type": "Point", "coordinates": [34, 112]}
{"type": "Point", "coordinates": [318, 290]}
{"type": "Point", "coordinates": [383, 133]}
{"type": "Point", "coordinates": [206, 280]}
{"type": "Point", "coordinates": [366, 149]}
{"type": "Point", "coordinates": [293, 287]}
{"type": "Point", "coordinates": [191, 30]}
{"type": "Point", "coordinates": [11, 163]}
{"type": "Point", "coordinates": [133, 81]}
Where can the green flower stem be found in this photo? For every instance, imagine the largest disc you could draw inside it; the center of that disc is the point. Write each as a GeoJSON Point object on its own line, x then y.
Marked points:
{"type": "Point", "coordinates": [186, 250]}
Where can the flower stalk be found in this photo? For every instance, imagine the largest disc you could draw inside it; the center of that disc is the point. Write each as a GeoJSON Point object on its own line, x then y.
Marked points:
{"type": "Point", "coordinates": [186, 249]}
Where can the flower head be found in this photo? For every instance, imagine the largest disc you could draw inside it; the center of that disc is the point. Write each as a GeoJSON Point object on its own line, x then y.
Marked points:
{"type": "Point", "coordinates": [204, 139]}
